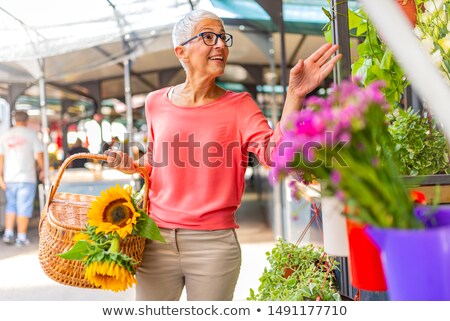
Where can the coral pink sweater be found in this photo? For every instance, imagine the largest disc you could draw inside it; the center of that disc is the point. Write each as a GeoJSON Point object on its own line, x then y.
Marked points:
{"type": "Point", "coordinates": [199, 157]}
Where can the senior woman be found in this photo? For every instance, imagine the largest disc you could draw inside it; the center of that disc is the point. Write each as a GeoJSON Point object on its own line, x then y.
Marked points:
{"type": "Point", "coordinates": [199, 137]}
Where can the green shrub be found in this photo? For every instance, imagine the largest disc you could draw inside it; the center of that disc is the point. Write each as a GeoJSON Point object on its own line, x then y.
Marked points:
{"type": "Point", "coordinates": [420, 147]}
{"type": "Point", "coordinates": [312, 275]}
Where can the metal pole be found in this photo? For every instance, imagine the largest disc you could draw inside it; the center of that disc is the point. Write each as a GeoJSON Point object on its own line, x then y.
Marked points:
{"type": "Point", "coordinates": [340, 36]}
{"type": "Point", "coordinates": [277, 186]}
{"type": "Point", "coordinates": [44, 125]}
{"type": "Point", "coordinates": [127, 88]}
{"type": "Point", "coordinates": [284, 77]}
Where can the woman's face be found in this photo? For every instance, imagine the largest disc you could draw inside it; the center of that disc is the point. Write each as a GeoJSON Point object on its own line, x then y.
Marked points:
{"type": "Point", "coordinates": [203, 59]}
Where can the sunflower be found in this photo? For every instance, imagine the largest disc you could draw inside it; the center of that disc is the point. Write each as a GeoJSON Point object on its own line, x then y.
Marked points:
{"type": "Point", "coordinates": [113, 211]}
{"type": "Point", "coordinates": [80, 237]}
{"type": "Point", "coordinates": [109, 275]}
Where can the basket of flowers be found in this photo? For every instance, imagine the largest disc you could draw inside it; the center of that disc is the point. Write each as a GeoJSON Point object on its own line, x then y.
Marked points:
{"type": "Point", "coordinates": [95, 241]}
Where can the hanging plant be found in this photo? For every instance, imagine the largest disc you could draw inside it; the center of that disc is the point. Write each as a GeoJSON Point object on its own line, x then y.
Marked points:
{"type": "Point", "coordinates": [375, 60]}
{"type": "Point", "coordinates": [297, 273]}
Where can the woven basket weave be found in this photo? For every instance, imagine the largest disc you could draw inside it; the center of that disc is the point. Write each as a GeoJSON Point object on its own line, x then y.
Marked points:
{"type": "Point", "coordinates": [63, 216]}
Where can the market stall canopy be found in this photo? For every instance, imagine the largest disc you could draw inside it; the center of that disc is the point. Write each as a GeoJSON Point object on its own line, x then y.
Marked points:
{"type": "Point", "coordinates": [85, 41]}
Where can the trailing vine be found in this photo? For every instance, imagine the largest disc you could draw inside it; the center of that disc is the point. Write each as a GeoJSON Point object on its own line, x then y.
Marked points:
{"type": "Point", "coordinates": [375, 60]}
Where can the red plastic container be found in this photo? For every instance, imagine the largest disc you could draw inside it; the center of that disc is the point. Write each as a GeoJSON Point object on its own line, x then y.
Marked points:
{"type": "Point", "coordinates": [366, 269]}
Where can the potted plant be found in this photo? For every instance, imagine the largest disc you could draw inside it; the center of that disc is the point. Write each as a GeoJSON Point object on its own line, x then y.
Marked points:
{"type": "Point", "coordinates": [297, 273]}
{"type": "Point", "coordinates": [420, 147]}
{"type": "Point", "coordinates": [353, 153]}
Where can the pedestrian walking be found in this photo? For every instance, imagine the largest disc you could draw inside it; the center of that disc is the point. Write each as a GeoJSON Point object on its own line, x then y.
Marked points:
{"type": "Point", "coordinates": [21, 163]}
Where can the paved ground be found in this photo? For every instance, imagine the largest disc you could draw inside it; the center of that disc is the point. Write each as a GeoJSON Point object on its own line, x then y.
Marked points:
{"type": "Point", "coordinates": [21, 277]}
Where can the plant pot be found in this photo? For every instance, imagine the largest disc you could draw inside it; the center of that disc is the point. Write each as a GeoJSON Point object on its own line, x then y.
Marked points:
{"type": "Point", "coordinates": [416, 262]}
{"type": "Point", "coordinates": [431, 218]}
{"type": "Point", "coordinates": [409, 8]}
{"type": "Point", "coordinates": [335, 239]}
{"type": "Point", "coordinates": [288, 272]}
{"type": "Point", "coordinates": [366, 269]}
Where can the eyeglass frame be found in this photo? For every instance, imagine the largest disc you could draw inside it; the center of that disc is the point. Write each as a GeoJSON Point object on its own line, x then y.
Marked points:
{"type": "Point", "coordinates": [215, 41]}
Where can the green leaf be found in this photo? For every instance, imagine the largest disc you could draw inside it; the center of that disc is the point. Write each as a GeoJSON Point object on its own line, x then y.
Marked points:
{"type": "Point", "coordinates": [355, 21]}
{"type": "Point", "coordinates": [147, 228]}
{"type": "Point", "coordinates": [79, 251]}
{"type": "Point", "coordinates": [386, 61]}
{"type": "Point", "coordinates": [328, 35]}
{"type": "Point", "coordinates": [327, 13]}
{"type": "Point", "coordinates": [362, 29]}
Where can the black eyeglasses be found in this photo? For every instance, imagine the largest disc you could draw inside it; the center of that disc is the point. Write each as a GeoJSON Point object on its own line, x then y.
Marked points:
{"type": "Point", "coordinates": [210, 38]}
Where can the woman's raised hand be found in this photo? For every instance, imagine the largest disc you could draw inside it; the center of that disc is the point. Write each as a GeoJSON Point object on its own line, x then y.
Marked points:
{"type": "Point", "coordinates": [120, 161]}
{"type": "Point", "coordinates": [308, 74]}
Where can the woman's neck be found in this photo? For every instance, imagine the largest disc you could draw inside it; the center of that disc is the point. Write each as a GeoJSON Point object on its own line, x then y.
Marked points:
{"type": "Point", "coordinates": [196, 92]}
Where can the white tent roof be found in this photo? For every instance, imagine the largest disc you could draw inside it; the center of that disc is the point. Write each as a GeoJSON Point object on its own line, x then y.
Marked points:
{"type": "Point", "coordinates": [83, 41]}
{"type": "Point", "coordinates": [44, 28]}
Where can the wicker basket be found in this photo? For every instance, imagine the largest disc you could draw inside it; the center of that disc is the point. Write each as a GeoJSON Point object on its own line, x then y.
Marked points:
{"type": "Point", "coordinates": [63, 216]}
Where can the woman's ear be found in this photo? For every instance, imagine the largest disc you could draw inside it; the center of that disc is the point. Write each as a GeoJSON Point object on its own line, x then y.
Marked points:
{"type": "Point", "coordinates": [181, 53]}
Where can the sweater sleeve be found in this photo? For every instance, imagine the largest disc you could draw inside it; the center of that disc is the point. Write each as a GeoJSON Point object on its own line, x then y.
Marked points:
{"type": "Point", "coordinates": [257, 136]}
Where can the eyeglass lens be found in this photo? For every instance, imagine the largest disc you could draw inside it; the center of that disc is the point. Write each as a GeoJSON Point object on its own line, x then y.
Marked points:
{"type": "Point", "coordinates": [210, 38]}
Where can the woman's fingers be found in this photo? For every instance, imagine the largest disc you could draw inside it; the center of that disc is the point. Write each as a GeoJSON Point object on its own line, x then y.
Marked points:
{"type": "Point", "coordinates": [329, 65]}
{"type": "Point", "coordinates": [118, 159]}
{"type": "Point", "coordinates": [315, 56]}
{"type": "Point", "coordinates": [327, 54]}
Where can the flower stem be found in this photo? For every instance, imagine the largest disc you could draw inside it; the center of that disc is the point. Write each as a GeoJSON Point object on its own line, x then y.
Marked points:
{"type": "Point", "coordinates": [115, 245]}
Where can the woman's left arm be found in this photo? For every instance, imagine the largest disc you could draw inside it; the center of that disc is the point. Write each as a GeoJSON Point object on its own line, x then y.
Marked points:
{"type": "Point", "coordinates": [306, 76]}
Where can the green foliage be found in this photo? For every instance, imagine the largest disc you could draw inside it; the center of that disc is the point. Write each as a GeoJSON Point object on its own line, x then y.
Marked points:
{"type": "Point", "coordinates": [79, 251]}
{"type": "Point", "coordinates": [420, 147]}
{"type": "Point", "coordinates": [147, 228]}
{"type": "Point", "coordinates": [375, 60]}
{"type": "Point", "coordinates": [99, 248]}
{"type": "Point", "coordinates": [312, 275]}
{"type": "Point", "coordinates": [89, 245]}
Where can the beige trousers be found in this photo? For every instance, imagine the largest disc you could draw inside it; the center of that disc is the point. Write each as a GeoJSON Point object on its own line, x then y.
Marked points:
{"type": "Point", "coordinates": [206, 262]}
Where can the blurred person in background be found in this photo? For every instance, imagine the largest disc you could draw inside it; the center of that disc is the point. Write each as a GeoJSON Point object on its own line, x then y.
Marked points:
{"type": "Point", "coordinates": [199, 137]}
{"type": "Point", "coordinates": [76, 149]}
{"type": "Point", "coordinates": [20, 150]}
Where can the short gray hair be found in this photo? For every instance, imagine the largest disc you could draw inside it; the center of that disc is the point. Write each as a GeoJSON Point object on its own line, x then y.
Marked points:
{"type": "Point", "coordinates": [183, 29]}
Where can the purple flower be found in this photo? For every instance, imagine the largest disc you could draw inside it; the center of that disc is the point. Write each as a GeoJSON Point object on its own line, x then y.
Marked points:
{"type": "Point", "coordinates": [340, 195]}
{"type": "Point", "coordinates": [335, 177]}
{"type": "Point", "coordinates": [376, 162]}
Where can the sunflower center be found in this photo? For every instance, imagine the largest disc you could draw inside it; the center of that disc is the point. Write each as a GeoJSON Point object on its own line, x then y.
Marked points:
{"type": "Point", "coordinates": [117, 213]}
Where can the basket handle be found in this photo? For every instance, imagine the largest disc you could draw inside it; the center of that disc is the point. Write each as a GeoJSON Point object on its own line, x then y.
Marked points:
{"type": "Point", "coordinates": [102, 157]}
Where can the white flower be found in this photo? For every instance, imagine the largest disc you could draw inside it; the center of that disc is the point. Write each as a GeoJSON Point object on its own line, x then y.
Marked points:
{"type": "Point", "coordinates": [428, 44]}
{"type": "Point", "coordinates": [436, 57]}
{"type": "Point", "coordinates": [433, 5]}
{"type": "Point", "coordinates": [418, 32]}
{"type": "Point", "coordinates": [426, 17]}
{"type": "Point", "coordinates": [433, 20]}
{"type": "Point", "coordinates": [442, 16]}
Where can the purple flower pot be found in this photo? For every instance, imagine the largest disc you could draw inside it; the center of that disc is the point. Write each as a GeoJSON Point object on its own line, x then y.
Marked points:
{"type": "Point", "coordinates": [431, 217]}
{"type": "Point", "coordinates": [417, 262]}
